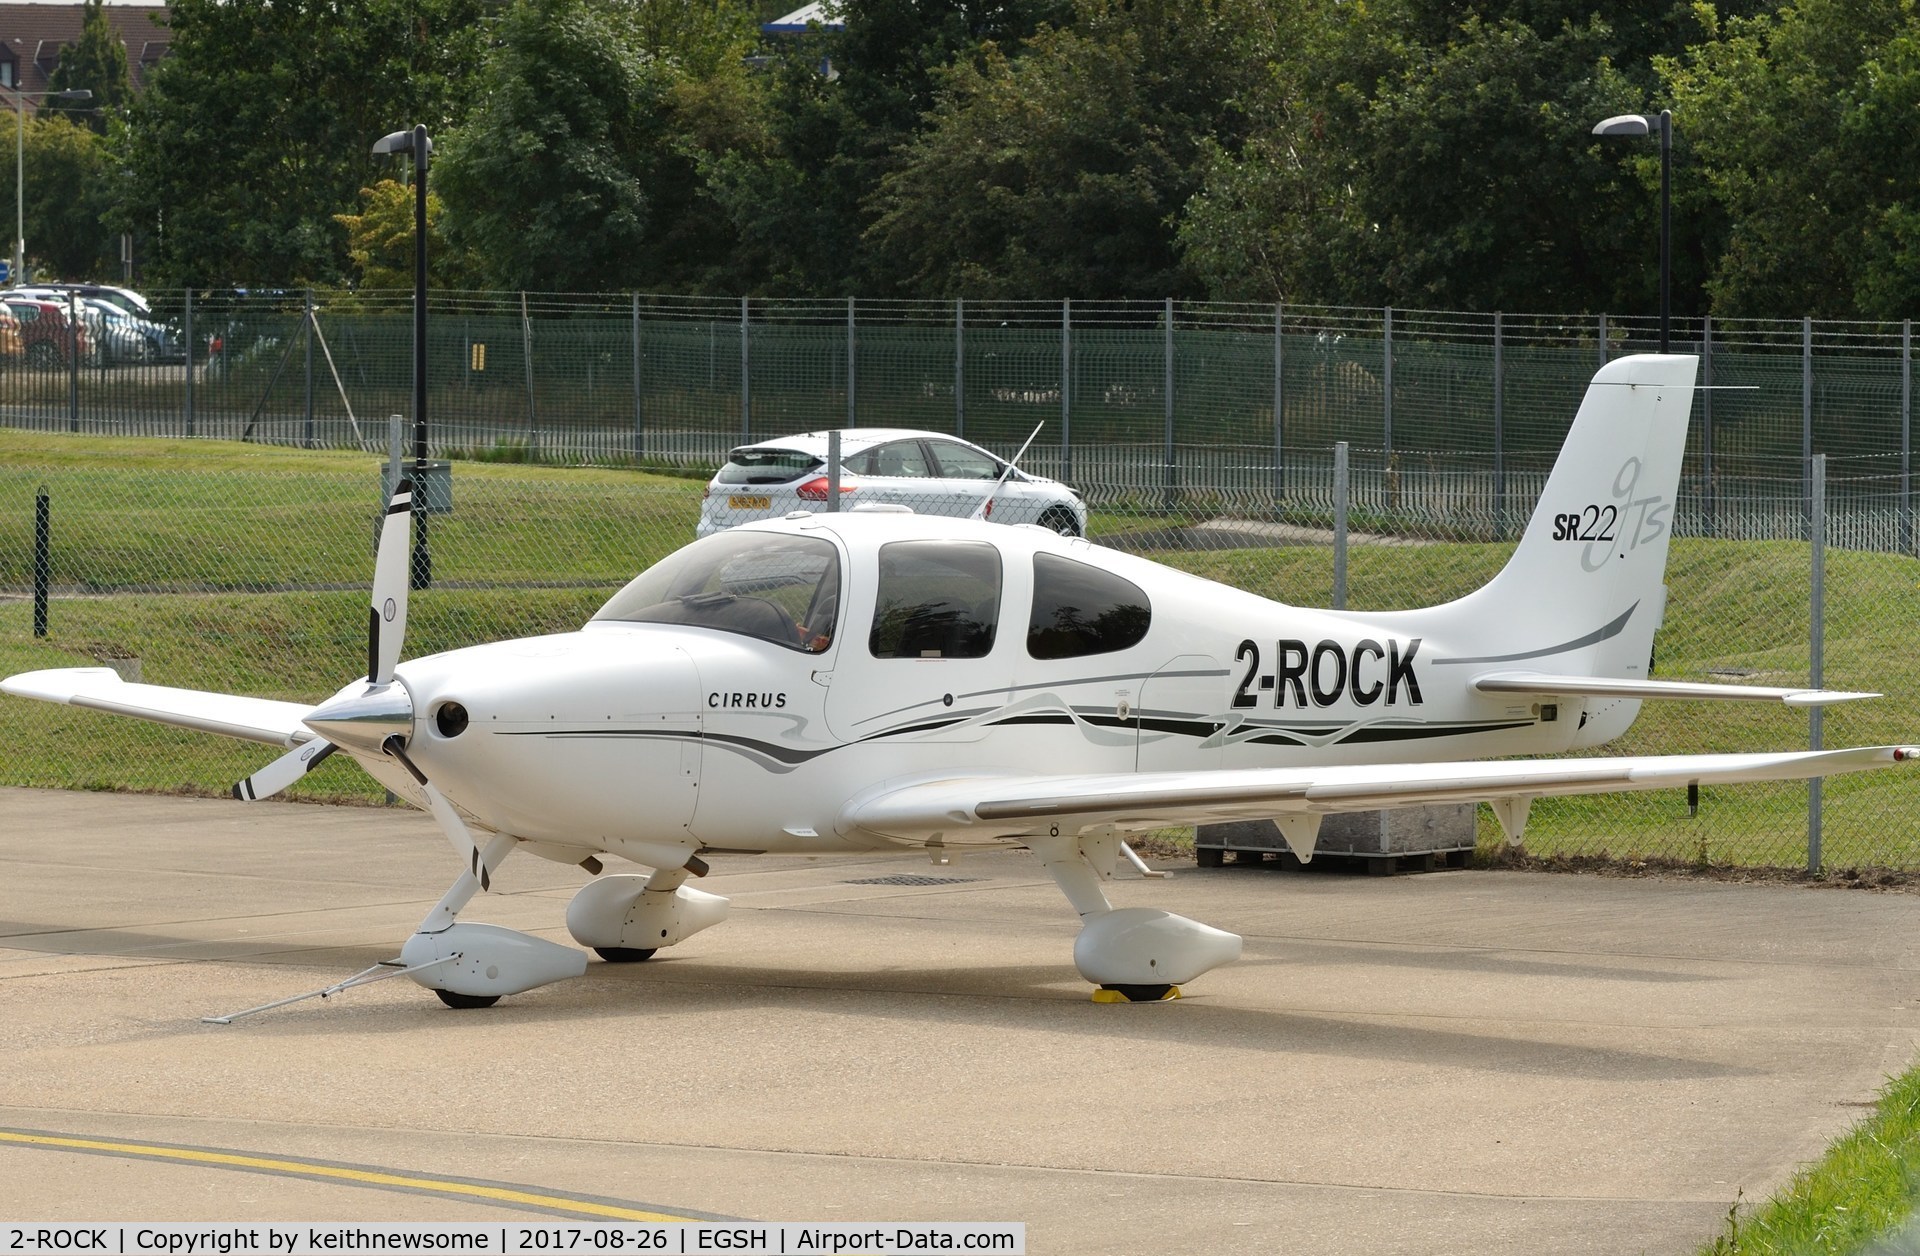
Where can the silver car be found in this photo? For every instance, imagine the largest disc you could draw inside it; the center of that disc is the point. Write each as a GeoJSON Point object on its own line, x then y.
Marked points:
{"type": "Point", "coordinates": [926, 472]}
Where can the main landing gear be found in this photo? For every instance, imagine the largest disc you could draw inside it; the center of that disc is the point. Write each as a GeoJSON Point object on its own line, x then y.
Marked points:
{"type": "Point", "coordinates": [1133, 954]}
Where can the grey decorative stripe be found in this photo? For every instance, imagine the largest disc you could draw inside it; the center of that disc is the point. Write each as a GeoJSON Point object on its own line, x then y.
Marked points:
{"type": "Point", "coordinates": [1054, 684]}
{"type": "Point", "coordinates": [1593, 638]}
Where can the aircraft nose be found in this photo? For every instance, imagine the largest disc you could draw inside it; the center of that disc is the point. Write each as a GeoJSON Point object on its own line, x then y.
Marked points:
{"type": "Point", "coordinates": [364, 721]}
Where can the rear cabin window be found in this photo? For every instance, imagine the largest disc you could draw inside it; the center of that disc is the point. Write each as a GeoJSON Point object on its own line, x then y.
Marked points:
{"type": "Point", "coordinates": [936, 600]}
{"type": "Point", "coordinates": [1080, 610]}
{"type": "Point", "coordinates": [766, 466]}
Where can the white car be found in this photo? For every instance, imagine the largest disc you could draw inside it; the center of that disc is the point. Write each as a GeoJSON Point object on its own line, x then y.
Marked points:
{"type": "Point", "coordinates": [926, 472]}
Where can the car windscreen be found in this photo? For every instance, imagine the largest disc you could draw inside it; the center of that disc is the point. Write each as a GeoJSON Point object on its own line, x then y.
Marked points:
{"type": "Point", "coordinates": [766, 466]}
{"type": "Point", "coordinates": [779, 588]}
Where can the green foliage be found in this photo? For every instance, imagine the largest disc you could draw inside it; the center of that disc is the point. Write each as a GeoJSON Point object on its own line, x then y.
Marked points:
{"type": "Point", "coordinates": [1407, 154]}
{"type": "Point", "coordinates": [575, 170]}
{"type": "Point", "coordinates": [1859, 1191]}
{"type": "Point", "coordinates": [1801, 128]}
{"type": "Point", "coordinates": [96, 62]}
{"type": "Point", "coordinates": [1061, 172]}
{"type": "Point", "coordinates": [68, 193]}
{"type": "Point", "coordinates": [380, 240]}
{"type": "Point", "coordinates": [257, 129]}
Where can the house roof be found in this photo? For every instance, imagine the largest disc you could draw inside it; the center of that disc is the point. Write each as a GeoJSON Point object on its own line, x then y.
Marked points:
{"type": "Point", "coordinates": [33, 34]}
{"type": "Point", "coordinates": [825, 12]}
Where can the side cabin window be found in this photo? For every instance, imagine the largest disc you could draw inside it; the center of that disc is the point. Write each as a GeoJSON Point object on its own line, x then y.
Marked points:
{"type": "Point", "coordinates": [783, 589]}
{"type": "Point", "coordinates": [936, 600]}
{"type": "Point", "coordinates": [1079, 610]}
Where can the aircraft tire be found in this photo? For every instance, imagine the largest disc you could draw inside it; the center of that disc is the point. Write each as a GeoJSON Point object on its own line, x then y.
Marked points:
{"type": "Point", "coordinates": [624, 954]}
{"type": "Point", "coordinates": [464, 1002]}
{"type": "Point", "coordinates": [1140, 994]}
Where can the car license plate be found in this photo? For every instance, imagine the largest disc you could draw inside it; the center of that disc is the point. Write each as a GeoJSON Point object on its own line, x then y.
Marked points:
{"type": "Point", "coordinates": [742, 501]}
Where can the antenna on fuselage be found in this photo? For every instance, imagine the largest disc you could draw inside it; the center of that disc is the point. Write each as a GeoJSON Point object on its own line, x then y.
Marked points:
{"type": "Point", "coordinates": [986, 503]}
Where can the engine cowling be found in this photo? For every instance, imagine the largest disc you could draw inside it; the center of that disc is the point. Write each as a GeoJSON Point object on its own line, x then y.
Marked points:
{"type": "Point", "coordinates": [619, 911]}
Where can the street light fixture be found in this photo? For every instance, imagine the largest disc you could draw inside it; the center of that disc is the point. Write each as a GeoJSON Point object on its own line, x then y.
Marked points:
{"type": "Point", "coordinates": [416, 144]}
{"type": "Point", "coordinates": [1637, 125]}
{"type": "Point", "coordinates": [20, 99]}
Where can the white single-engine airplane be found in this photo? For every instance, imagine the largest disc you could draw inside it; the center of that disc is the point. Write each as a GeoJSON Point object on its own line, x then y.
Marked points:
{"type": "Point", "coordinates": [869, 681]}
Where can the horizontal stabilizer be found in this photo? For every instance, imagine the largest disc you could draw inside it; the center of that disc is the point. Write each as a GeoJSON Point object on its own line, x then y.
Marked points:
{"type": "Point", "coordinates": [1682, 690]}
{"type": "Point", "coordinates": [982, 808]}
{"type": "Point", "coordinates": [230, 715]}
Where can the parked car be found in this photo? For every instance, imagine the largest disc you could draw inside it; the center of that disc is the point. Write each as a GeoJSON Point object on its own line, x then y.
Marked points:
{"type": "Point", "coordinates": [125, 298]}
{"type": "Point", "coordinates": [11, 346]}
{"type": "Point", "coordinates": [925, 471]}
{"type": "Point", "coordinates": [123, 337]}
{"type": "Point", "coordinates": [46, 334]}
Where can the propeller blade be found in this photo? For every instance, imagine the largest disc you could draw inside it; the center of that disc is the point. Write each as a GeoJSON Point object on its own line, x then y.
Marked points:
{"type": "Point", "coordinates": [458, 835]}
{"type": "Point", "coordinates": [387, 615]}
{"type": "Point", "coordinates": [283, 771]}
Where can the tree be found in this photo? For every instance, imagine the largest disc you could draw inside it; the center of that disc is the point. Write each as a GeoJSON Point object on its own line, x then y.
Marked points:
{"type": "Point", "coordinates": [96, 63]}
{"type": "Point", "coordinates": [69, 181]}
{"type": "Point", "coordinates": [257, 129]}
{"type": "Point", "coordinates": [1402, 154]}
{"type": "Point", "coordinates": [1801, 125]}
{"type": "Point", "coordinates": [1062, 172]}
{"type": "Point", "coordinates": [380, 240]}
{"type": "Point", "coordinates": [840, 108]}
{"type": "Point", "coordinates": [549, 183]}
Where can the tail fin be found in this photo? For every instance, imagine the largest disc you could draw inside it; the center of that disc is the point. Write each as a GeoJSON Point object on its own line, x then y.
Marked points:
{"type": "Point", "coordinates": [1585, 589]}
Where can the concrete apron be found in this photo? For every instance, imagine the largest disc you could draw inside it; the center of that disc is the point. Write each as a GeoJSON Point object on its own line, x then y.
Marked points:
{"type": "Point", "coordinates": [1460, 1061]}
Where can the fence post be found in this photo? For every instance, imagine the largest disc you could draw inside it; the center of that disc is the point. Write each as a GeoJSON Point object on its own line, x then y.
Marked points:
{"type": "Point", "coordinates": [187, 331]}
{"type": "Point", "coordinates": [526, 353]}
{"type": "Point", "coordinates": [1341, 483]}
{"type": "Point", "coordinates": [1166, 452]}
{"type": "Point", "coordinates": [852, 391]}
{"type": "Point", "coordinates": [306, 436]}
{"type": "Point", "coordinates": [1906, 436]}
{"type": "Point", "coordinates": [1386, 387]}
{"type": "Point", "coordinates": [42, 558]}
{"type": "Point", "coordinates": [746, 377]}
{"type": "Point", "coordinates": [1706, 415]}
{"type": "Point", "coordinates": [959, 366]}
{"type": "Point", "coordinates": [1499, 428]}
{"type": "Point", "coordinates": [73, 361]}
{"type": "Point", "coordinates": [1816, 669]}
{"type": "Point", "coordinates": [639, 405]}
{"type": "Point", "coordinates": [1806, 403]}
{"type": "Point", "coordinates": [833, 471]}
{"type": "Point", "coordinates": [1603, 341]}
{"type": "Point", "coordinates": [1066, 389]}
{"type": "Point", "coordinates": [1279, 406]}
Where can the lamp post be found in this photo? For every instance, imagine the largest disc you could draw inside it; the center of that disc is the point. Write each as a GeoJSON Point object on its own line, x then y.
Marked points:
{"type": "Point", "coordinates": [1642, 124]}
{"type": "Point", "coordinates": [20, 99]}
{"type": "Point", "coordinates": [416, 144]}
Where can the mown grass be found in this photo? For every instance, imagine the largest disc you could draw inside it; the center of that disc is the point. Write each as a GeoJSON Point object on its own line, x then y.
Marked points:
{"type": "Point", "coordinates": [1859, 1192]}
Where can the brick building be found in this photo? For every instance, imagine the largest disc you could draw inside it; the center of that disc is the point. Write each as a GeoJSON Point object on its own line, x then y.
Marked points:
{"type": "Point", "coordinates": [32, 35]}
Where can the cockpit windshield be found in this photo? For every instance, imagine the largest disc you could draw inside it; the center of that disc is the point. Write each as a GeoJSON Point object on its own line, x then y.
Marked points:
{"type": "Point", "coordinates": [779, 588]}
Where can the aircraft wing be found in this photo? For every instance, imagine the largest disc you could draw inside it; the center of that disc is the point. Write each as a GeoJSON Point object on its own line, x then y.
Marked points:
{"type": "Point", "coordinates": [979, 808]}
{"type": "Point", "coordinates": [1612, 687]}
{"type": "Point", "coordinates": [101, 689]}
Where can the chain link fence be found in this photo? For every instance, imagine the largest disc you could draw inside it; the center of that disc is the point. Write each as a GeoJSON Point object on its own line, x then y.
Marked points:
{"type": "Point", "coordinates": [224, 566]}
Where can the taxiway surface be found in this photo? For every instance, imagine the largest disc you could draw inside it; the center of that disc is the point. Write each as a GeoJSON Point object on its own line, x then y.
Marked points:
{"type": "Point", "coordinates": [1461, 1061]}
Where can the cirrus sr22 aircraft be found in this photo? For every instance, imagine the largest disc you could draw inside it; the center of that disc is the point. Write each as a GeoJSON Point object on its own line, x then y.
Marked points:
{"type": "Point", "coordinates": [885, 681]}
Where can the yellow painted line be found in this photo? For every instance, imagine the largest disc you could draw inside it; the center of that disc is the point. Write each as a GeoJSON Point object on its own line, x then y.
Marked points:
{"type": "Point", "coordinates": [358, 1177]}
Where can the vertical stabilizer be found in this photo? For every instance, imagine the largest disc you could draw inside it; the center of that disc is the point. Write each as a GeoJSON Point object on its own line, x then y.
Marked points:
{"type": "Point", "coordinates": [1585, 588]}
